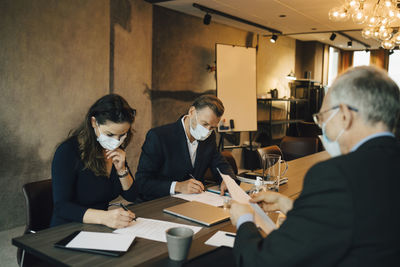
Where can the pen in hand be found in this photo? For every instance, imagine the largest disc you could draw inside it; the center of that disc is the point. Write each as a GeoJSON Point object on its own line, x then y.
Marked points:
{"type": "Point", "coordinates": [191, 176]}
{"type": "Point", "coordinates": [125, 208]}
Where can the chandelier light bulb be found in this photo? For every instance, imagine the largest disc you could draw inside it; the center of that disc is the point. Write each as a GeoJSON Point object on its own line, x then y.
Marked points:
{"type": "Point", "coordinates": [396, 38]}
{"type": "Point", "coordinates": [385, 34]}
{"type": "Point", "coordinates": [368, 33]}
{"type": "Point", "coordinates": [373, 21]}
{"type": "Point", "coordinates": [388, 3]}
{"type": "Point", "coordinates": [359, 16]}
{"type": "Point", "coordinates": [388, 44]}
{"type": "Point", "coordinates": [353, 4]}
{"type": "Point", "coordinates": [334, 13]}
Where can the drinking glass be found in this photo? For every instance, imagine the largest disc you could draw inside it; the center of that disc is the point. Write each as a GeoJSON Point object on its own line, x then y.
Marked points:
{"type": "Point", "coordinates": [273, 170]}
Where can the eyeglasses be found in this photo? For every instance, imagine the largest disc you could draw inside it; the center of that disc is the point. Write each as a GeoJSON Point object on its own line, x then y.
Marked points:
{"type": "Point", "coordinates": [318, 116]}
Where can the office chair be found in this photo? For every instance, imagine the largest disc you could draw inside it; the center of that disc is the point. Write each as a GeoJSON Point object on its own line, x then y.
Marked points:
{"type": "Point", "coordinates": [269, 150]}
{"type": "Point", "coordinates": [297, 147]}
{"type": "Point", "coordinates": [39, 209]}
{"type": "Point", "coordinates": [208, 176]}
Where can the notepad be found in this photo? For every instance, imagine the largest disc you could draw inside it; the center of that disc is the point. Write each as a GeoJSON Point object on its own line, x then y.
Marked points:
{"type": "Point", "coordinates": [96, 242]}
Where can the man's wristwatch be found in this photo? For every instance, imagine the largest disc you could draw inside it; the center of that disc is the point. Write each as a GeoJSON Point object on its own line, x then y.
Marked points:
{"type": "Point", "coordinates": [124, 174]}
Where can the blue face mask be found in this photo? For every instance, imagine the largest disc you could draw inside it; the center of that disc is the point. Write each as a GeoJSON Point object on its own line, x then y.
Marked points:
{"type": "Point", "coordinates": [332, 147]}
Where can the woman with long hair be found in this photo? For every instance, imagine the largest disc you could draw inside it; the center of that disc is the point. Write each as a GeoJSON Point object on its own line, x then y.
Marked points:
{"type": "Point", "coordinates": [89, 168]}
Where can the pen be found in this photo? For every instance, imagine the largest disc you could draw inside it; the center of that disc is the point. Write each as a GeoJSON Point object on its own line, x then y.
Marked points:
{"type": "Point", "coordinates": [229, 234]}
{"type": "Point", "coordinates": [125, 208]}
{"type": "Point", "coordinates": [191, 176]}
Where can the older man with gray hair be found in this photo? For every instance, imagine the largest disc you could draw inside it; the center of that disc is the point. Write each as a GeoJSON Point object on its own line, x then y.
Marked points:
{"type": "Point", "coordinates": [348, 212]}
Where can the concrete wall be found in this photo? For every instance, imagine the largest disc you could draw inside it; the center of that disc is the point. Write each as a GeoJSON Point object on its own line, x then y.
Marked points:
{"type": "Point", "coordinates": [132, 70]}
{"type": "Point", "coordinates": [183, 47]}
{"type": "Point", "coordinates": [54, 63]}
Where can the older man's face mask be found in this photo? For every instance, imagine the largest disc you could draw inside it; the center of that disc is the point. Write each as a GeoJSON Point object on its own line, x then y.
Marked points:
{"type": "Point", "coordinates": [332, 147]}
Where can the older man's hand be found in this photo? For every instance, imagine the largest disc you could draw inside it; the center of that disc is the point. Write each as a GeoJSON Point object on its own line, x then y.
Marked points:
{"type": "Point", "coordinates": [238, 210]}
{"type": "Point", "coordinates": [272, 201]}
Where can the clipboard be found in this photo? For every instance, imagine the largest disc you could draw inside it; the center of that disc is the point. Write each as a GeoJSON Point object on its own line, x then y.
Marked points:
{"type": "Point", "coordinates": [64, 242]}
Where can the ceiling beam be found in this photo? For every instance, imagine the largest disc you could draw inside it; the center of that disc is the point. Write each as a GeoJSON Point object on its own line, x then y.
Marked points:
{"type": "Point", "coordinates": [226, 15]}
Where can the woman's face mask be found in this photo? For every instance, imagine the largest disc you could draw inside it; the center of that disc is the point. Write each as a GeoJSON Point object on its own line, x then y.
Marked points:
{"type": "Point", "coordinates": [108, 142]}
{"type": "Point", "coordinates": [200, 132]}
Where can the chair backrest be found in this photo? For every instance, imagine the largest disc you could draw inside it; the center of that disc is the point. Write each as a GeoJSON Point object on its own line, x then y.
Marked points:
{"type": "Point", "coordinates": [39, 205]}
{"type": "Point", "coordinates": [297, 147]}
{"type": "Point", "coordinates": [269, 150]}
{"type": "Point", "coordinates": [230, 159]}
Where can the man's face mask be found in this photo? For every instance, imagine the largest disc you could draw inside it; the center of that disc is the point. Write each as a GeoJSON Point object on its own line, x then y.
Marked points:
{"type": "Point", "coordinates": [200, 132]}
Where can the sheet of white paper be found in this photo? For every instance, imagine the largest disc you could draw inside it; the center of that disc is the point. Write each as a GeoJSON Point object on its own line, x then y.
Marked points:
{"type": "Point", "coordinates": [221, 239]}
{"type": "Point", "coordinates": [152, 229]}
{"type": "Point", "coordinates": [101, 241]}
{"type": "Point", "coordinates": [204, 197]}
{"type": "Point", "coordinates": [261, 219]}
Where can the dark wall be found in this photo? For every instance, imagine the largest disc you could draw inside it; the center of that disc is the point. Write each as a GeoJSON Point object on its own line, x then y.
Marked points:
{"type": "Point", "coordinates": [54, 63]}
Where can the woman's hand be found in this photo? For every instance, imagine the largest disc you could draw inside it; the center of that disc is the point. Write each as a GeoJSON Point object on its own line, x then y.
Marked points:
{"type": "Point", "coordinates": [118, 218]}
{"type": "Point", "coordinates": [118, 158]}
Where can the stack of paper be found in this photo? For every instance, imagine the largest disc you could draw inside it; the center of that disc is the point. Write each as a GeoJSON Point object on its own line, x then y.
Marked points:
{"type": "Point", "coordinates": [221, 238]}
{"type": "Point", "coordinates": [152, 229]}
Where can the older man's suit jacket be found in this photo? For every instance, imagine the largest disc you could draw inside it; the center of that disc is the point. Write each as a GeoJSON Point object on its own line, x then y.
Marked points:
{"type": "Point", "coordinates": [348, 214]}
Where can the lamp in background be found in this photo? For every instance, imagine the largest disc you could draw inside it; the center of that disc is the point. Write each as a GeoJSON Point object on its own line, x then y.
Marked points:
{"type": "Point", "coordinates": [333, 36]}
{"type": "Point", "coordinates": [273, 39]}
{"type": "Point", "coordinates": [291, 76]}
{"type": "Point", "coordinates": [207, 19]}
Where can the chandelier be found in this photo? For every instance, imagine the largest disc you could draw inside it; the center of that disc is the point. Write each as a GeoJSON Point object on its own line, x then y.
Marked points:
{"type": "Point", "coordinates": [378, 17]}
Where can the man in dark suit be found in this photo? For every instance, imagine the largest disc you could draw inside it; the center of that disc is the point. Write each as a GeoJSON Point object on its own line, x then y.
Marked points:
{"type": "Point", "coordinates": [348, 212]}
{"type": "Point", "coordinates": [176, 156]}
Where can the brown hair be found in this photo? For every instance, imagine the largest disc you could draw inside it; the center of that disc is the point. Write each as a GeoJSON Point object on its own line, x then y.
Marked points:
{"type": "Point", "coordinates": [210, 101]}
{"type": "Point", "coordinates": [112, 108]}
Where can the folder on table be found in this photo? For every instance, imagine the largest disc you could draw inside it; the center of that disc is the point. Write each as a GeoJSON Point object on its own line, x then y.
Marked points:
{"type": "Point", "coordinates": [199, 212]}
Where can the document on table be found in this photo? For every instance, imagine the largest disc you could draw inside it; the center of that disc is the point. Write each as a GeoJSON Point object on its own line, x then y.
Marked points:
{"type": "Point", "coordinates": [237, 193]}
{"type": "Point", "coordinates": [101, 241]}
{"type": "Point", "coordinates": [221, 238]}
{"type": "Point", "coordinates": [204, 197]}
{"type": "Point", "coordinates": [152, 229]}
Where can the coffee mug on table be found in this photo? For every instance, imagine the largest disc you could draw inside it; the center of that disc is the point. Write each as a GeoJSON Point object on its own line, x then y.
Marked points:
{"type": "Point", "coordinates": [179, 240]}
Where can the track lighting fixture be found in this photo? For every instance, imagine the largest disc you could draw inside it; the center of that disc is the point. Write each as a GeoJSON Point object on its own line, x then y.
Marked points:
{"type": "Point", "coordinates": [333, 36]}
{"type": "Point", "coordinates": [207, 19]}
{"type": "Point", "coordinates": [273, 39]}
{"type": "Point", "coordinates": [350, 44]}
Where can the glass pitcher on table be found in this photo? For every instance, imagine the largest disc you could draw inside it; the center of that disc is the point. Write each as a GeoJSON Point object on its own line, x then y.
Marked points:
{"type": "Point", "coordinates": [273, 168]}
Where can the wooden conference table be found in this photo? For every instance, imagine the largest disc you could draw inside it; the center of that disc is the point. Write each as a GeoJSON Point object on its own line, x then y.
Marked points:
{"type": "Point", "coordinates": [146, 252]}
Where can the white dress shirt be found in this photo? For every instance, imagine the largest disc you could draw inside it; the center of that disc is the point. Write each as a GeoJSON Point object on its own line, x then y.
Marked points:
{"type": "Point", "coordinates": [192, 146]}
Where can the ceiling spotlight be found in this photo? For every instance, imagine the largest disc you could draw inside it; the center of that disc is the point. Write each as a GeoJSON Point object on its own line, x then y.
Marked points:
{"type": "Point", "coordinates": [207, 19]}
{"type": "Point", "coordinates": [350, 44]}
{"type": "Point", "coordinates": [274, 38]}
{"type": "Point", "coordinates": [333, 36]}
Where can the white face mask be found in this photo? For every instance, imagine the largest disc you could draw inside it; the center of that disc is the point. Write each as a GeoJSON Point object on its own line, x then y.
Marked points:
{"type": "Point", "coordinates": [199, 133]}
{"type": "Point", "coordinates": [108, 142]}
{"type": "Point", "coordinates": [332, 147]}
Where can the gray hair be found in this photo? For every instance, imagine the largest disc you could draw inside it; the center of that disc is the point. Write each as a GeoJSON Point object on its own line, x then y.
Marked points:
{"type": "Point", "coordinates": [372, 92]}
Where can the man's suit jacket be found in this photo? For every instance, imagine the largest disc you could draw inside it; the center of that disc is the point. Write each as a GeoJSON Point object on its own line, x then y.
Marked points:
{"type": "Point", "coordinates": [348, 214]}
{"type": "Point", "coordinates": [165, 158]}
